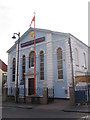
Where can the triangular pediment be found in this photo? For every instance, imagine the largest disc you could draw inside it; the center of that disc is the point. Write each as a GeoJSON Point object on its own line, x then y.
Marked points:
{"type": "Point", "coordinates": [40, 36]}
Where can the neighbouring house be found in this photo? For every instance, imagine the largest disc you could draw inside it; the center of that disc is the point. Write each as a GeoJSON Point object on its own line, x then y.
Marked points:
{"type": "Point", "coordinates": [3, 75]}
{"type": "Point", "coordinates": [61, 60]}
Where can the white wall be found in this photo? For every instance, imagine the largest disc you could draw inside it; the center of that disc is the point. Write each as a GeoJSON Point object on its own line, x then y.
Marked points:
{"type": "Point", "coordinates": [80, 69]}
{"type": "Point", "coordinates": [1, 72]}
{"type": "Point", "coordinates": [89, 59]}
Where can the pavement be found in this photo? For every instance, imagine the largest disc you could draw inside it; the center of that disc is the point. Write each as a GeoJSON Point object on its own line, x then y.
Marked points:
{"type": "Point", "coordinates": [56, 105]}
{"type": "Point", "coordinates": [16, 105]}
{"type": "Point", "coordinates": [62, 105]}
{"type": "Point", "coordinates": [78, 108]}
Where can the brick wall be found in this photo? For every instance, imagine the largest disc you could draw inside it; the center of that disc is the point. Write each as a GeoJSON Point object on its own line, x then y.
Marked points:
{"type": "Point", "coordinates": [3, 66]}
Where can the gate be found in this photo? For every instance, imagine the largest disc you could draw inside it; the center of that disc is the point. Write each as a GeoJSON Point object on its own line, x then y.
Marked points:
{"type": "Point", "coordinates": [81, 96]}
{"type": "Point", "coordinates": [82, 89]}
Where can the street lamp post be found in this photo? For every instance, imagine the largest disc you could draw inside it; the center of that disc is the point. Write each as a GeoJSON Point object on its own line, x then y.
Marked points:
{"type": "Point", "coordinates": [17, 89]}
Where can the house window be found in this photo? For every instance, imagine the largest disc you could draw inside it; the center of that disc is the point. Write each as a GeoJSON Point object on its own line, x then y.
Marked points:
{"type": "Point", "coordinates": [13, 70]}
{"type": "Point", "coordinates": [76, 57]}
{"type": "Point", "coordinates": [59, 63]}
{"type": "Point", "coordinates": [23, 68]}
{"type": "Point", "coordinates": [84, 55]}
{"type": "Point", "coordinates": [41, 65]}
{"type": "Point", "coordinates": [31, 59]}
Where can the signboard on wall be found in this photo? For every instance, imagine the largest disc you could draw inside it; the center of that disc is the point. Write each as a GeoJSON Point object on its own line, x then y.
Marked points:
{"type": "Point", "coordinates": [38, 40]}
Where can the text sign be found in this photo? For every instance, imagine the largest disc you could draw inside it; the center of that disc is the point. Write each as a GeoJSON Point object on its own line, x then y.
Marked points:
{"type": "Point", "coordinates": [38, 40]}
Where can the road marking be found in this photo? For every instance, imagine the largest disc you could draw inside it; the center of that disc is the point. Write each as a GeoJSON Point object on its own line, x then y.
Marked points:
{"type": "Point", "coordinates": [85, 116]}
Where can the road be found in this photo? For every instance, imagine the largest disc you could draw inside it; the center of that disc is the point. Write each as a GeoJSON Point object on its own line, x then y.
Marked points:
{"type": "Point", "coordinates": [10, 112]}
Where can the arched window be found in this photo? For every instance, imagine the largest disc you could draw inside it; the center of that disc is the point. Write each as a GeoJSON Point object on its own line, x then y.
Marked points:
{"type": "Point", "coordinates": [76, 57]}
{"type": "Point", "coordinates": [31, 59]}
{"type": "Point", "coordinates": [59, 63]}
{"type": "Point", "coordinates": [84, 56]}
{"type": "Point", "coordinates": [23, 68]}
{"type": "Point", "coordinates": [41, 65]}
{"type": "Point", "coordinates": [13, 69]}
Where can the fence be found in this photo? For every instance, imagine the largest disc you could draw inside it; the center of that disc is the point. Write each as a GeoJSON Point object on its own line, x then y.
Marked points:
{"type": "Point", "coordinates": [39, 92]}
{"type": "Point", "coordinates": [82, 89]}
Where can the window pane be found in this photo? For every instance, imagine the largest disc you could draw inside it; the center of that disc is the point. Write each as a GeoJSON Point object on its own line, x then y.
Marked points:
{"type": "Point", "coordinates": [41, 58]}
{"type": "Point", "coordinates": [41, 69]}
{"type": "Point", "coordinates": [41, 75]}
{"type": "Point", "coordinates": [76, 56]}
{"type": "Point", "coordinates": [59, 63]}
{"type": "Point", "coordinates": [23, 68]}
{"type": "Point", "coordinates": [59, 66]}
{"type": "Point", "coordinates": [84, 59]}
{"type": "Point", "coordinates": [41, 65]}
{"type": "Point", "coordinates": [60, 77]}
{"type": "Point", "coordinates": [13, 70]}
{"type": "Point", "coordinates": [31, 59]}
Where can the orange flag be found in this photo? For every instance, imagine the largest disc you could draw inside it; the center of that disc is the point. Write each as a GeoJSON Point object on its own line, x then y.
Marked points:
{"type": "Point", "coordinates": [32, 20]}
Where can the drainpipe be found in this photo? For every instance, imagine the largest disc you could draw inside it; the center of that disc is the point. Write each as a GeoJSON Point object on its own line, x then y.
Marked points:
{"type": "Point", "coordinates": [71, 59]}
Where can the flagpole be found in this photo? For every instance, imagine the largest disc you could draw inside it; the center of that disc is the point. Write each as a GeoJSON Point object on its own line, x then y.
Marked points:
{"type": "Point", "coordinates": [34, 61]}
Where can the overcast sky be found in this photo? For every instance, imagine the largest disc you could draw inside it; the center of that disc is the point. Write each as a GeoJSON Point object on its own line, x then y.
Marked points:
{"type": "Point", "coordinates": [69, 16]}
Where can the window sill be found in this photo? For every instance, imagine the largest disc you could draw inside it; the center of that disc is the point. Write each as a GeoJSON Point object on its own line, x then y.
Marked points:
{"type": "Point", "coordinates": [32, 67]}
{"type": "Point", "coordinates": [21, 82]}
{"type": "Point", "coordinates": [41, 81]}
{"type": "Point", "coordinates": [12, 82]}
{"type": "Point", "coordinates": [77, 65]}
{"type": "Point", "coordinates": [60, 80]}
{"type": "Point", "coordinates": [84, 67]}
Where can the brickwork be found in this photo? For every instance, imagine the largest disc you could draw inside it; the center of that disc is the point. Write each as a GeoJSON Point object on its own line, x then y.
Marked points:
{"type": "Point", "coordinates": [10, 98]}
{"type": "Point", "coordinates": [44, 99]}
{"type": "Point", "coordinates": [32, 99]}
{"type": "Point", "coordinates": [28, 99]}
{"type": "Point", "coordinates": [21, 99]}
{"type": "Point", "coordinates": [72, 97]}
